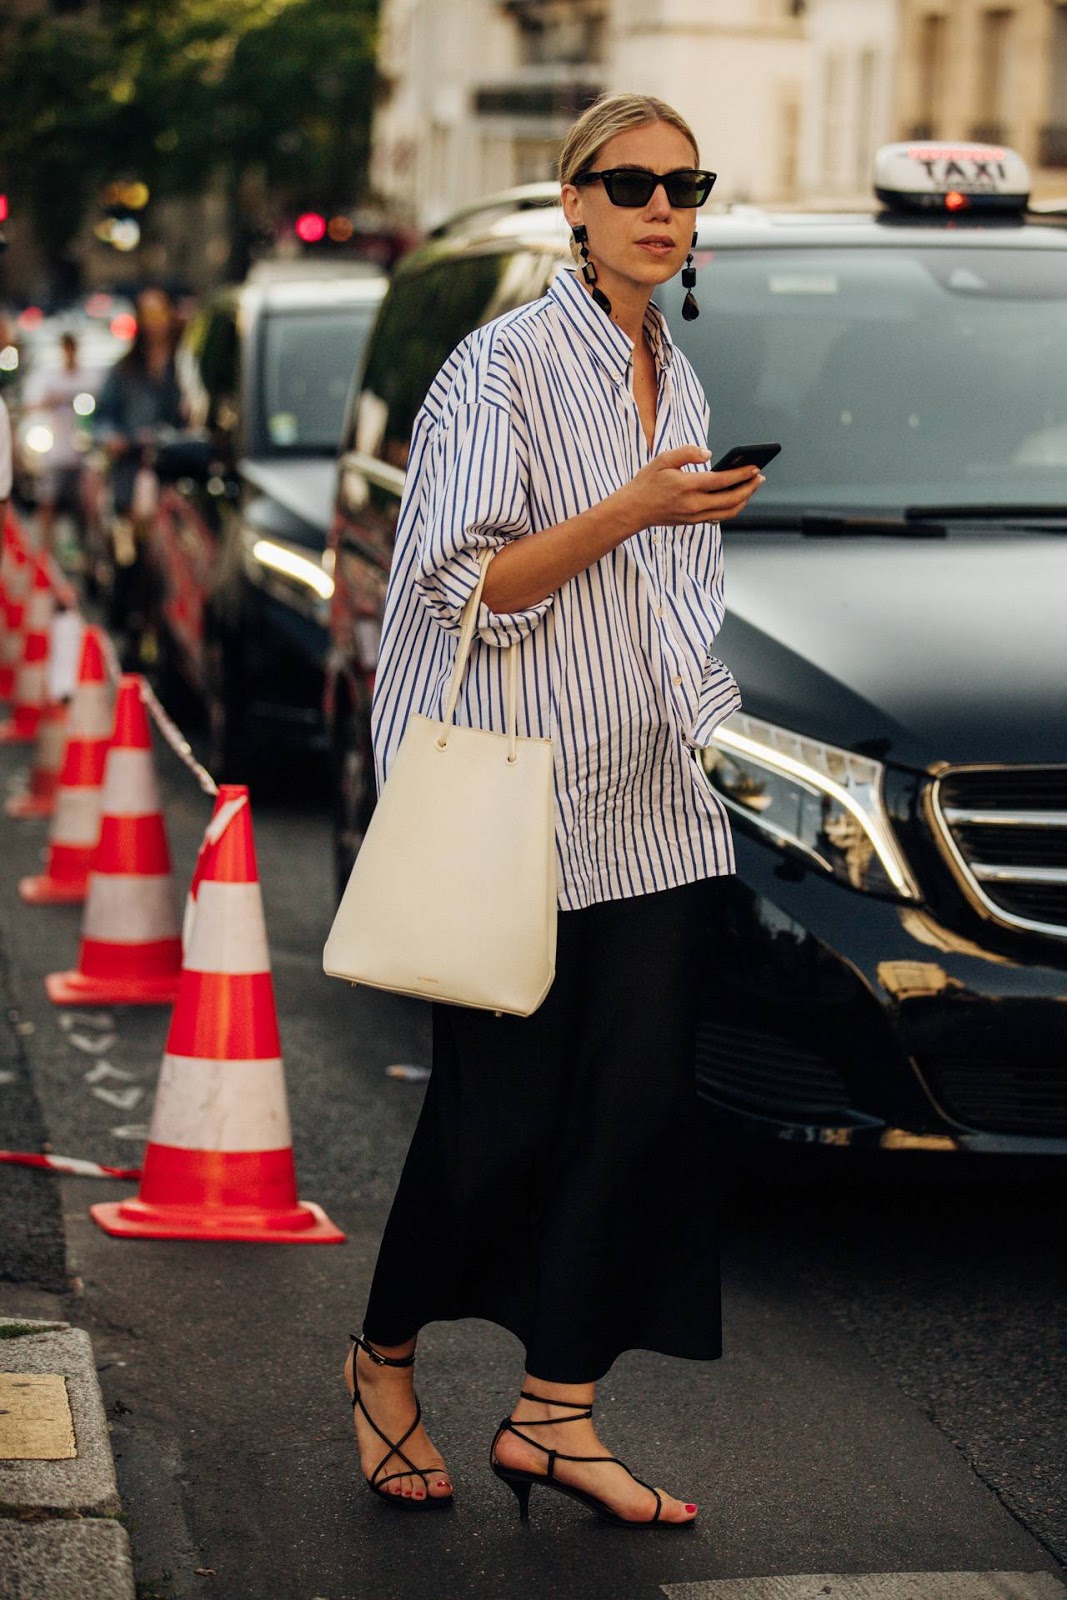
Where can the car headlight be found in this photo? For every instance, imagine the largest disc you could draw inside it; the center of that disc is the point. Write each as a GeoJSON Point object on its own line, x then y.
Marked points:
{"type": "Point", "coordinates": [813, 797]}
{"type": "Point", "coordinates": [303, 581]}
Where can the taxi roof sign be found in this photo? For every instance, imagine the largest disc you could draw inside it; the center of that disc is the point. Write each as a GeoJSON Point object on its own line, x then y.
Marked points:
{"type": "Point", "coordinates": [934, 175]}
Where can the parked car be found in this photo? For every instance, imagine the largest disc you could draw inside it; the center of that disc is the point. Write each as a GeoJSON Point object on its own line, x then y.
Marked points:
{"type": "Point", "coordinates": [889, 965]}
{"type": "Point", "coordinates": [240, 608]}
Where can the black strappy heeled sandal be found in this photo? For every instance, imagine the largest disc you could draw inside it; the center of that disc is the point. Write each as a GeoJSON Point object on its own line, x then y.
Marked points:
{"type": "Point", "coordinates": [375, 1483]}
{"type": "Point", "coordinates": [521, 1482]}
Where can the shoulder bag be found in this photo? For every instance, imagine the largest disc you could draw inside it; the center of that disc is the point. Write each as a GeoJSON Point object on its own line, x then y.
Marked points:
{"type": "Point", "coordinates": [453, 894]}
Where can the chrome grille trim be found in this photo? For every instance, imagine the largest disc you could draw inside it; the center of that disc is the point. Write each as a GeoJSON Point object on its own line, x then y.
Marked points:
{"type": "Point", "coordinates": [989, 873]}
{"type": "Point", "coordinates": [970, 875]}
{"type": "Point", "coordinates": [1020, 819]}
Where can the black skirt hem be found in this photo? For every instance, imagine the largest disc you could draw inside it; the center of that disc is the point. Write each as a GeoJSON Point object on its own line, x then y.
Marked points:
{"type": "Point", "coordinates": [572, 1373]}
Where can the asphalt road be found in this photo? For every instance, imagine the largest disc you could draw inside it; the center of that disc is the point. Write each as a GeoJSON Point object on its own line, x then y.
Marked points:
{"type": "Point", "coordinates": [891, 1397]}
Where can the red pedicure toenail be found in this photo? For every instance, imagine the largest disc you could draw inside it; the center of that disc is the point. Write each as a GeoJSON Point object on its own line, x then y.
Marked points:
{"type": "Point", "coordinates": [690, 1509]}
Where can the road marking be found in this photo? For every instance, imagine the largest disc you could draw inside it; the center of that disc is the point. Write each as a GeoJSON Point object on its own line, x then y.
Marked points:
{"type": "Point", "coordinates": [876, 1586]}
{"type": "Point", "coordinates": [35, 1419]}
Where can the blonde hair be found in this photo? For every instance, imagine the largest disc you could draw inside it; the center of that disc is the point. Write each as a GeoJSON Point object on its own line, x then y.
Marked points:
{"type": "Point", "coordinates": [606, 117]}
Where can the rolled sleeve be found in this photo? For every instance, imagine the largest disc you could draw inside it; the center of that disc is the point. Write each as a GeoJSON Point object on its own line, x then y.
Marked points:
{"type": "Point", "coordinates": [477, 499]}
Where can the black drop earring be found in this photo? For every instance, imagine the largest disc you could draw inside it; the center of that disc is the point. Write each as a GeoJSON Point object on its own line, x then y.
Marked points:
{"type": "Point", "coordinates": [581, 239]}
{"type": "Point", "coordinates": [690, 309]}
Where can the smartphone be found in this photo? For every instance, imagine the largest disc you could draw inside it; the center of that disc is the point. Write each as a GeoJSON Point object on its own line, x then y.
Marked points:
{"type": "Point", "coordinates": [746, 455]}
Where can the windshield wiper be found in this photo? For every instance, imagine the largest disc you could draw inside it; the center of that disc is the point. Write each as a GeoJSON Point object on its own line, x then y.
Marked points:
{"type": "Point", "coordinates": [822, 524]}
{"type": "Point", "coordinates": [988, 512]}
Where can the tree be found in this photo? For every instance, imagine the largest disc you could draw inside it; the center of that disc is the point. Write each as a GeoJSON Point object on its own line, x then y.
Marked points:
{"type": "Point", "coordinates": [172, 91]}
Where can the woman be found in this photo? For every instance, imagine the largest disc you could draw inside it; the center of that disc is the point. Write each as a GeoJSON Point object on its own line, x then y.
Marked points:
{"type": "Point", "coordinates": [140, 398]}
{"type": "Point", "coordinates": [551, 1185]}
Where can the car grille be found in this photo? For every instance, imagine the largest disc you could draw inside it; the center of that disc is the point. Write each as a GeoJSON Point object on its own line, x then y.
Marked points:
{"type": "Point", "coordinates": [766, 1072]}
{"type": "Point", "coordinates": [1004, 831]}
{"type": "Point", "coordinates": [1001, 1096]}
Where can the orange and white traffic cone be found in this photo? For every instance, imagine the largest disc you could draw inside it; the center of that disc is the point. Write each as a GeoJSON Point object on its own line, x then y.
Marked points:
{"type": "Point", "coordinates": [76, 817]}
{"type": "Point", "coordinates": [18, 577]}
{"type": "Point", "coordinates": [30, 694]}
{"type": "Point", "coordinates": [219, 1161]}
{"type": "Point", "coordinates": [131, 948]}
{"type": "Point", "coordinates": [39, 799]}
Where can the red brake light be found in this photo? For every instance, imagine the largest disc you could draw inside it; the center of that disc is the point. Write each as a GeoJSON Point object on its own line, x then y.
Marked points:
{"type": "Point", "coordinates": [954, 201]}
{"type": "Point", "coordinates": [310, 227]}
{"type": "Point", "coordinates": [124, 326]}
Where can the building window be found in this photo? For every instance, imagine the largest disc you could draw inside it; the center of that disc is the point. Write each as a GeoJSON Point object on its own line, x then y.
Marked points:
{"type": "Point", "coordinates": [1053, 149]}
{"type": "Point", "coordinates": [995, 69]}
{"type": "Point", "coordinates": [557, 32]}
{"type": "Point", "coordinates": [933, 29]}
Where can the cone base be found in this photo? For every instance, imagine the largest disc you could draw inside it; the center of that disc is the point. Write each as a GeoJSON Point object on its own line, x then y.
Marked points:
{"type": "Point", "coordinates": [75, 989]}
{"type": "Point", "coordinates": [46, 891]}
{"type": "Point", "coordinates": [30, 805]}
{"type": "Point", "coordinates": [304, 1223]}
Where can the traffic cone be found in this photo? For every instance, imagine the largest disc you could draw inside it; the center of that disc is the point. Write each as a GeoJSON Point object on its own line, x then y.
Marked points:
{"type": "Point", "coordinates": [30, 694]}
{"type": "Point", "coordinates": [40, 798]}
{"type": "Point", "coordinates": [219, 1161]}
{"type": "Point", "coordinates": [76, 817]}
{"type": "Point", "coordinates": [130, 949]}
{"type": "Point", "coordinates": [17, 579]}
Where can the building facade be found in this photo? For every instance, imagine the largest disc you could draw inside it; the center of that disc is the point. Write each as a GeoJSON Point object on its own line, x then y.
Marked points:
{"type": "Point", "coordinates": [988, 70]}
{"type": "Point", "coordinates": [789, 98]}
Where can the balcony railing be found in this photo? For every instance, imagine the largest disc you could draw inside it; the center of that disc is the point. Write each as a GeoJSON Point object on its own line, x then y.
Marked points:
{"type": "Point", "coordinates": [1052, 145]}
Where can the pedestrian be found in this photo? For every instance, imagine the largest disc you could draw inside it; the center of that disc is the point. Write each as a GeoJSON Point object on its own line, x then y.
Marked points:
{"type": "Point", "coordinates": [139, 401]}
{"type": "Point", "coordinates": [59, 485]}
{"type": "Point", "coordinates": [553, 1184]}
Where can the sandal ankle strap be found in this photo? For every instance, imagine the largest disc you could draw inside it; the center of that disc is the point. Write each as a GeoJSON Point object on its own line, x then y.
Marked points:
{"type": "Point", "coordinates": [377, 1357]}
{"type": "Point", "coordinates": [584, 1407]}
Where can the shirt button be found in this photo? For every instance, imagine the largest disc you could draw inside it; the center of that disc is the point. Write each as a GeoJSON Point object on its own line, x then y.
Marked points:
{"type": "Point", "coordinates": [656, 538]}
{"type": "Point", "coordinates": [660, 611]}
{"type": "Point", "coordinates": [677, 682]}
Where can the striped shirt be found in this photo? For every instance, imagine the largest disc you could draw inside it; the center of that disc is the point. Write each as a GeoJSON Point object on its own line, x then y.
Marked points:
{"type": "Point", "coordinates": [531, 421]}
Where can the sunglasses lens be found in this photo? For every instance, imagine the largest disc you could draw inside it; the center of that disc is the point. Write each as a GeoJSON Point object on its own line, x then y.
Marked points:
{"type": "Point", "coordinates": [687, 189]}
{"type": "Point", "coordinates": [630, 189]}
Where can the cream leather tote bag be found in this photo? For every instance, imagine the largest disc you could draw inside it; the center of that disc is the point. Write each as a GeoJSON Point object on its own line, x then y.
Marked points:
{"type": "Point", "coordinates": [453, 894]}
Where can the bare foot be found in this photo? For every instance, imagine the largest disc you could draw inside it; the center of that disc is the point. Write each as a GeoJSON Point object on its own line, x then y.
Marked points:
{"type": "Point", "coordinates": [388, 1393]}
{"type": "Point", "coordinates": [610, 1482]}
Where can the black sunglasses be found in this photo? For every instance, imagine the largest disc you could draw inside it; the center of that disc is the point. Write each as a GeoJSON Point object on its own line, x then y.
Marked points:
{"type": "Point", "coordinates": [635, 186]}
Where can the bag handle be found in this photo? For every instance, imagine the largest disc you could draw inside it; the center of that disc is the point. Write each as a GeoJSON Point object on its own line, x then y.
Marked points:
{"type": "Point", "coordinates": [463, 649]}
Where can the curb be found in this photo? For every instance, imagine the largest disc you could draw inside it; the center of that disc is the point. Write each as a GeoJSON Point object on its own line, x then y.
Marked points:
{"type": "Point", "coordinates": [58, 1527]}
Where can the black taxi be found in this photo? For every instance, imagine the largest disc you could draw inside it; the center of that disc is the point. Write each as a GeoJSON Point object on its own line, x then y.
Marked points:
{"type": "Point", "coordinates": [889, 965]}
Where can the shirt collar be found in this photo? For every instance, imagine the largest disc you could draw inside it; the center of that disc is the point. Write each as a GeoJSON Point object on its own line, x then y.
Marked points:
{"type": "Point", "coordinates": [606, 340]}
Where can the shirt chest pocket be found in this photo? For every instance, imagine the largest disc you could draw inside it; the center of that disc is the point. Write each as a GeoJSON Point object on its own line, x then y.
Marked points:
{"type": "Point", "coordinates": [718, 697]}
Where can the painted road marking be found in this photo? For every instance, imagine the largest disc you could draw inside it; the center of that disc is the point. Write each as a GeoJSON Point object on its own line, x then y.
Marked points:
{"type": "Point", "coordinates": [877, 1586]}
{"type": "Point", "coordinates": [35, 1419]}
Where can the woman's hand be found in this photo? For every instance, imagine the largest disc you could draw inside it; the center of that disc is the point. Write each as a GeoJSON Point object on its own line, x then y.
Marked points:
{"type": "Point", "coordinates": [662, 493]}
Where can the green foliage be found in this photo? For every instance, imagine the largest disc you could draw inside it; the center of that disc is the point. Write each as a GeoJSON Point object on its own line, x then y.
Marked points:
{"type": "Point", "coordinates": [169, 91]}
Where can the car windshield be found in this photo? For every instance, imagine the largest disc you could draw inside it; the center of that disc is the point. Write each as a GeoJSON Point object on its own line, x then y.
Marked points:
{"type": "Point", "coordinates": [891, 377]}
{"type": "Point", "coordinates": [308, 359]}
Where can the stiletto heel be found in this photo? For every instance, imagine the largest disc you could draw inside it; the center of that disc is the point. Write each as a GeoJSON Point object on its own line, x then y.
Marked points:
{"type": "Point", "coordinates": [440, 1502]}
{"type": "Point", "coordinates": [521, 1482]}
{"type": "Point", "coordinates": [522, 1493]}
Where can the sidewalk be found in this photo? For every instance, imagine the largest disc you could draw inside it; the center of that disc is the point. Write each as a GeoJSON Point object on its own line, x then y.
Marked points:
{"type": "Point", "coordinates": [60, 1533]}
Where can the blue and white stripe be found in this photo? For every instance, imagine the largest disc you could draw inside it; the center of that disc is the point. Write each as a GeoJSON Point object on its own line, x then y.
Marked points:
{"type": "Point", "coordinates": [530, 421]}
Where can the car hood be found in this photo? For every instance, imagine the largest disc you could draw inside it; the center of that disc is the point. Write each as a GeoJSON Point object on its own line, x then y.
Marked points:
{"type": "Point", "coordinates": [302, 488]}
{"type": "Point", "coordinates": [914, 651]}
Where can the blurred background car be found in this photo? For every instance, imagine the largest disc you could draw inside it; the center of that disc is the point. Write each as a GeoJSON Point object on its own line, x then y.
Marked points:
{"type": "Point", "coordinates": [889, 965]}
{"type": "Point", "coordinates": [239, 612]}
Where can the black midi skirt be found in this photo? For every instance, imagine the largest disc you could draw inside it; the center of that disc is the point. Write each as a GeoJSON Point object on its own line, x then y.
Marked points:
{"type": "Point", "coordinates": [556, 1183]}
